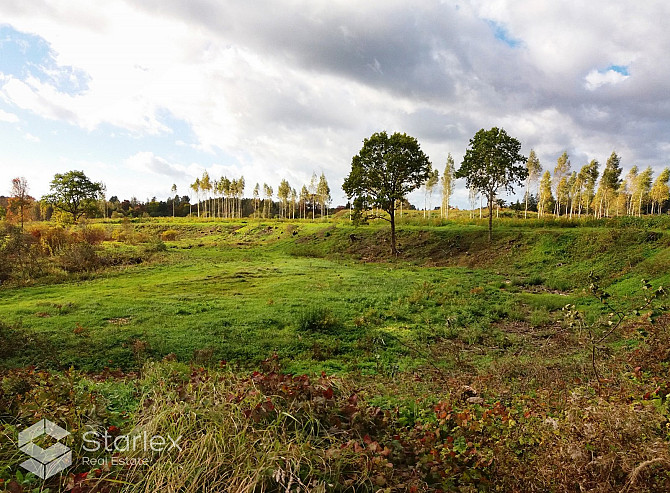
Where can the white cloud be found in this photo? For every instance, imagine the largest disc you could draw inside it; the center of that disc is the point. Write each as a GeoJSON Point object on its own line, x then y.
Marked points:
{"type": "Point", "coordinates": [8, 117]}
{"type": "Point", "coordinates": [31, 138]}
{"type": "Point", "coordinates": [596, 78]}
{"type": "Point", "coordinates": [147, 161]}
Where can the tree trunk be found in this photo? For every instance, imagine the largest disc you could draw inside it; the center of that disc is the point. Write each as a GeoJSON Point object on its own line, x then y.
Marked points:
{"type": "Point", "coordinates": [525, 213]}
{"type": "Point", "coordinates": [490, 217]}
{"type": "Point", "coordinates": [391, 212]}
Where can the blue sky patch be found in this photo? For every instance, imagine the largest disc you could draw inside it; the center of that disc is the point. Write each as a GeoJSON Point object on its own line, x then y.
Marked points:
{"type": "Point", "coordinates": [621, 69]}
{"type": "Point", "coordinates": [502, 34]}
{"type": "Point", "coordinates": [24, 55]}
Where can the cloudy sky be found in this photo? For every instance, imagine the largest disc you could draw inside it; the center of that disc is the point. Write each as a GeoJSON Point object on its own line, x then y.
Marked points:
{"type": "Point", "coordinates": [141, 94]}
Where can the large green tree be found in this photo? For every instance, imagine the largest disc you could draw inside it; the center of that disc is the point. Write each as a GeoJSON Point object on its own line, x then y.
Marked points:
{"type": "Point", "coordinates": [384, 171]}
{"type": "Point", "coordinates": [493, 162]}
{"type": "Point", "coordinates": [73, 193]}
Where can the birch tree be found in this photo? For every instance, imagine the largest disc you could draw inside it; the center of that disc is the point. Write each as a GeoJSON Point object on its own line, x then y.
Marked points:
{"type": "Point", "coordinates": [312, 193]}
{"type": "Point", "coordinates": [304, 197]}
{"type": "Point", "coordinates": [323, 194]}
{"type": "Point", "coordinates": [560, 171]}
{"type": "Point", "coordinates": [610, 182]}
{"type": "Point", "coordinates": [283, 192]}
{"type": "Point", "coordinates": [588, 177]}
{"type": "Point", "coordinates": [256, 198]}
{"type": "Point", "coordinates": [267, 202]}
{"type": "Point", "coordinates": [206, 186]}
{"type": "Point", "coordinates": [534, 170]}
{"type": "Point", "coordinates": [195, 186]}
{"type": "Point", "coordinates": [643, 188]}
{"type": "Point", "coordinates": [447, 181]}
{"type": "Point", "coordinates": [431, 183]}
{"type": "Point", "coordinates": [660, 192]}
{"type": "Point", "coordinates": [545, 199]}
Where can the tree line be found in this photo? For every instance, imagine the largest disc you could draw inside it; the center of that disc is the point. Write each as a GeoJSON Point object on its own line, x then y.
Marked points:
{"type": "Point", "coordinates": [73, 195]}
{"type": "Point", "coordinates": [387, 168]}
{"type": "Point", "coordinates": [565, 192]}
{"type": "Point", "coordinates": [568, 192]}
{"type": "Point", "coordinates": [224, 198]}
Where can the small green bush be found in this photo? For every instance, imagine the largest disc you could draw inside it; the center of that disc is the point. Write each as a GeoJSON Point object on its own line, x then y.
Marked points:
{"type": "Point", "coordinates": [317, 319]}
{"type": "Point", "coordinates": [154, 245]}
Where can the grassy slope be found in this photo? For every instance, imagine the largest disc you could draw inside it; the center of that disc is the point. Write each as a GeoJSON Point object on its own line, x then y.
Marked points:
{"type": "Point", "coordinates": [239, 290]}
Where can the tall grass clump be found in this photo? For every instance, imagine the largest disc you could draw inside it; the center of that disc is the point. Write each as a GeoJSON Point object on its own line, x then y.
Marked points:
{"type": "Point", "coordinates": [263, 433]}
{"type": "Point", "coordinates": [317, 319]}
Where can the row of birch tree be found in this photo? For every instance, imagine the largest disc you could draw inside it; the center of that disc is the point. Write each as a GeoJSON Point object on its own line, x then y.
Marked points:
{"type": "Point", "coordinates": [574, 193]}
{"type": "Point", "coordinates": [223, 198]}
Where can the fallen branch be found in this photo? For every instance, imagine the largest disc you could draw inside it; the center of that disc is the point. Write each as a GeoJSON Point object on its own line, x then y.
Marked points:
{"type": "Point", "coordinates": [638, 470]}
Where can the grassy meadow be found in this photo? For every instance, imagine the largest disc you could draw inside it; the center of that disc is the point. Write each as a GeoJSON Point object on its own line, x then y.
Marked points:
{"type": "Point", "coordinates": [300, 356]}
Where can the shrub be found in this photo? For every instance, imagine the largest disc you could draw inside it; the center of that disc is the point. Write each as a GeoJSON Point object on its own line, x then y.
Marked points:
{"type": "Point", "coordinates": [93, 234]}
{"type": "Point", "coordinates": [154, 245]}
{"type": "Point", "coordinates": [317, 319]}
{"type": "Point", "coordinates": [169, 235]}
{"type": "Point", "coordinates": [51, 238]}
{"type": "Point", "coordinates": [19, 254]}
{"type": "Point", "coordinates": [80, 257]}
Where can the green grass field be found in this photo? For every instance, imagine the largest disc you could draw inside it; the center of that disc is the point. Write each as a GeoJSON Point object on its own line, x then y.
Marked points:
{"type": "Point", "coordinates": [240, 291]}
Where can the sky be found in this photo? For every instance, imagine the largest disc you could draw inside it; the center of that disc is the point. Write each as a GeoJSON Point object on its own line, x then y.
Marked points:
{"type": "Point", "coordinates": [146, 93]}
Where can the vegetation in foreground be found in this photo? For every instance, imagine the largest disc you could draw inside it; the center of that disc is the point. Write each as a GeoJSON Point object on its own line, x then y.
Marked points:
{"type": "Point", "coordinates": [454, 367]}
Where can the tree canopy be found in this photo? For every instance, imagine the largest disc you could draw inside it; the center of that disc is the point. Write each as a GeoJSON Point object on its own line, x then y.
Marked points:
{"type": "Point", "coordinates": [384, 171]}
{"type": "Point", "coordinates": [73, 193]}
{"type": "Point", "coordinates": [492, 162]}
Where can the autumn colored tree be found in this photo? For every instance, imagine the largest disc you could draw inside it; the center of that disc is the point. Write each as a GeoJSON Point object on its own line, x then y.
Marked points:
{"type": "Point", "coordinates": [195, 186]}
{"type": "Point", "coordinates": [546, 198]}
{"type": "Point", "coordinates": [660, 192]}
{"type": "Point", "coordinates": [19, 202]}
